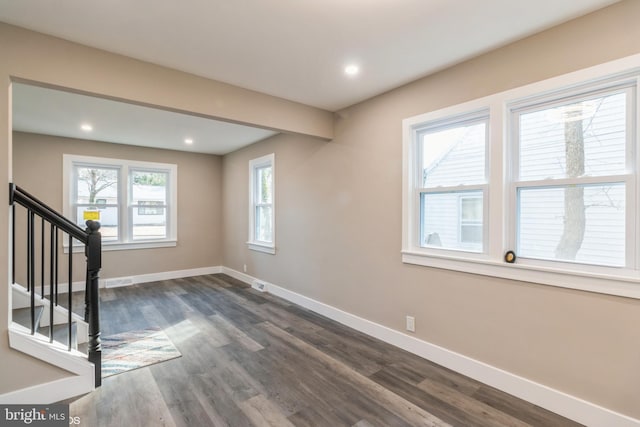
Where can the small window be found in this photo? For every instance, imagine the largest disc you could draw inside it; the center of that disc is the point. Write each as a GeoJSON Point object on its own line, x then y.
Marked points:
{"type": "Point", "coordinates": [96, 189]}
{"type": "Point", "coordinates": [261, 209]}
{"type": "Point", "coordinates": [452, 182]}
{"type": "Point", "coordinates": [148, 204]}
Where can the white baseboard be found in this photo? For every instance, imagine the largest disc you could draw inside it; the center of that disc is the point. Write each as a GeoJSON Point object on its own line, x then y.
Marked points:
{"type": "Point", "coordinates": [556, 401]}
{"type": "Point", "coordinates": [243, 277]}
{"type": "Point", "coordinates": [114, 282]}
{"type": "Point", "coordinates": [82, 380]}
{"type": "Point", "coordinates": [561, 403]}
{"type": "Point", "coordinates": [156, 277]}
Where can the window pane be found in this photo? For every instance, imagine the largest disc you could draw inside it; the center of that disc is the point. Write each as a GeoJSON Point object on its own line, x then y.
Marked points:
{"type": "Point", "coordinates": [150, 226]}
{"type": "Point", "coordinates": [577, 223]}
{"type": "Point", "coordinates": [96, 185]}
{"type": "Point", "coordinates": [150, 207]}
{"type": "Point", "coordinates": [574, 139]}
{"type": "Point", "coordinates": [454, 156]}
{"type": "Point", "coordinates": [264, 185]}
{"type": "Point", "coordinates": [442, 223]}
{"type": "Point", "coordinates": [108, 217]}
{"type": "Point", "coordinates": [471, 220]}
{"type": "Point", "coordinates": [471, 234]}
{"type": "Point", "coordinates": [148, 187]}
{"type": "Point", "coordinates": [264, 230]}
{"type": "Point", "coordinates": [471, 209]}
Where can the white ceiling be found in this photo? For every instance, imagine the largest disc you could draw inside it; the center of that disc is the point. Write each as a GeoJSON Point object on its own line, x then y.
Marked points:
{"type": "Point", "coordinates": [53, 112]}
{"type": "Point", "coordinates": [294, 49]}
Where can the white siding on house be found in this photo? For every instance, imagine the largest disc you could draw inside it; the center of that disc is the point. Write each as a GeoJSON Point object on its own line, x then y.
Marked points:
{"type": "Point", "coordinates": [441, 220]}
{"type": "Point", "coordinates": [542, 140]}
{"type": "Point", "coordinates": [541, 224]}
{"type": "Point", "coordinates": [463, 160]}
{"type": "Point", "coordinates": [451, 157]}
{"type": "Point", "coordinates": [543, 157]}
{"type": "Point", "coordinates": [109, 214]}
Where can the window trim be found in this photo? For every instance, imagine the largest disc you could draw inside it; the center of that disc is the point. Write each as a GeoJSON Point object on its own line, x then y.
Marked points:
{"type": "Point", "coordinates": [124, 167]}
{"type": "Point", "coordinates": [254, 165]}
{"type": "Point", "coordinates": [501, 198]}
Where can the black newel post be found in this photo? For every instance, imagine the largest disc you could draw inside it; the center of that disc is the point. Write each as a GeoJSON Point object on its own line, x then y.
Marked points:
{"type": "Point", "coordinates": [92, 299]}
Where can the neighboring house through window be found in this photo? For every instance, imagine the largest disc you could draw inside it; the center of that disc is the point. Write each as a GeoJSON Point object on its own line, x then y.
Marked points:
{"type": "Point", "coordinates": [470, 210]}
{"type": "Point", "coordinates": [261, 204]}
{"type": "Point", "coordinates": [135, 202]}
{"type": "Point", "coordinates": [548, 170]}
{"type": "Point", "coordinates": [450, 162]}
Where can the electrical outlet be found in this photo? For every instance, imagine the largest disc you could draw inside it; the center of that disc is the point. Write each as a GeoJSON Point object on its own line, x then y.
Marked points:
{"type": "Point", "coordinates": [411, 324]}
{"type": "Point", "coordinates": [244, 267]}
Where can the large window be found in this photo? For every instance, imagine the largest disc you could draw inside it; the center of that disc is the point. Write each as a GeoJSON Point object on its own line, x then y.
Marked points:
{"type": "Point", "coordinates": [261, 204]}
{"type": "Point", "coordinates": [548, 171]}
{"type": "Point", "coordinates": [571, 175]}
{"type": "Point", "coordinates": [135, 202]}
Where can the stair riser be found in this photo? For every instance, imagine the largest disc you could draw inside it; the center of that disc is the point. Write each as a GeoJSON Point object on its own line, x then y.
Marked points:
{"type": "Point", "coordinates": [21, 299]}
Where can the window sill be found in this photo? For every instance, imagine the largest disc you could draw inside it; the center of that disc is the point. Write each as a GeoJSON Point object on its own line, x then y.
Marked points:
{"type": "Point", "coordinates": [119, 246]}
{"type": "Point", "coordinates": [262, 247]}
{"type": "Point", "coordinates": [624, 284]}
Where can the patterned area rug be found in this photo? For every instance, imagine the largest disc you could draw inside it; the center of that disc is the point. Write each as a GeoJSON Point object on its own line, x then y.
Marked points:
{"type": "Point", "coordinates": [132, 350]}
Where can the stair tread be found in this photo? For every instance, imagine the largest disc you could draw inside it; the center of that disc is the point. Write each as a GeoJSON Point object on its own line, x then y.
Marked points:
{"type": "Point", "coordinates": [61, 334]}
{"type": "Point", "coordinates": [83, 348]}
{"type": "Point", "coordinates": [22, 316]}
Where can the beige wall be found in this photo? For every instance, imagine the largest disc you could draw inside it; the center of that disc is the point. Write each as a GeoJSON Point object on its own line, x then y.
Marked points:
{"type": "Point", "coordinates": [37, 167]}
{"type": "Point", "coordinates": [331, 198]}
{"type": "Point", "coordinates": [32, 57]}
{"type": "Point", "coordinates": [199, 193]}
{"type": "Point", "coordinates": [338, 226]}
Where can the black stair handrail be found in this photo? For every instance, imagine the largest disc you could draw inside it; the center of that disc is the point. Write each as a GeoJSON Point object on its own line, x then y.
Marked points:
{"type": "Point", "coordinates": [92, 241]}
{"type": "Point", "coordinates": [20, 196]}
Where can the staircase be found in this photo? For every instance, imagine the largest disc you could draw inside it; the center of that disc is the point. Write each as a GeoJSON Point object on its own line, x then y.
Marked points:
{"type": "Point", "coordinates": [21, 315]}
{"type": "Point", "coordinates": [44, 324]}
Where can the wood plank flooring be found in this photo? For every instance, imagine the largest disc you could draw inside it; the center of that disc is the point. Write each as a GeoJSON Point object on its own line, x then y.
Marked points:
{"type": "Point", "coordinates": [252, 359]}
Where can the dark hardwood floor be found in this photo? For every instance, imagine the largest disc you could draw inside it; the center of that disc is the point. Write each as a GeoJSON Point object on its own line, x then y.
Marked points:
{"type": "Point", "coordinates": [252, 359]}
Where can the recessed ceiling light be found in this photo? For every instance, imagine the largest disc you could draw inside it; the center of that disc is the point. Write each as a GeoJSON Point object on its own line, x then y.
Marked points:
{"type": "Point", "coordinates": [351, 70]}
{"type": "Point", "coordinates": [86, 127]}
{"type": "Point", "coordinates": [188, 141]}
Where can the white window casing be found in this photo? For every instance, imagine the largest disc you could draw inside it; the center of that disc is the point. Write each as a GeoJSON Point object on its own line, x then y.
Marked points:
{"type": "Point", "coordinates": [609, 185]}
{"type": "Point", "coordinates": [124, 234]}
{"type": "Point", "coordinates": [262, 229]}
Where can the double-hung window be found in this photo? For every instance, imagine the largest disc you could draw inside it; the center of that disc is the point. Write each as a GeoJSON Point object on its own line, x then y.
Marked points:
{"type": "Point", "coordinates": [135, 202]}
{"type": "Point", "coordinates": [572, 177]}
{"type": "Point", "coordinates": [261, 204]}
{"type": "Point", "coordinates": [539, 183]}
{"type": "Point", "coordinates": [450, 176]}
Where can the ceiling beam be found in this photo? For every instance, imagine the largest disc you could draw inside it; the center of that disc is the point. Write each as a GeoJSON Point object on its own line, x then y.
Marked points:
{"type": "Point", "coordinates": [36, 58]}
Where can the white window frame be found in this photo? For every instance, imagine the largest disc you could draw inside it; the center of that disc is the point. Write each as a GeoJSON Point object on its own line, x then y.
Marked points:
{"type": "Point", "coordinates": [501, 204]}
{"type": "Point", "coordinates": [254, 165]}
{"type": "Point", "coordinates": [125, 225]}
{"type": "Point", "coordinates": [463, 223]}
{"type": "Point", "coordinates": [441, 123]}
{"type": "Point", "coordinates": [624, 84]}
